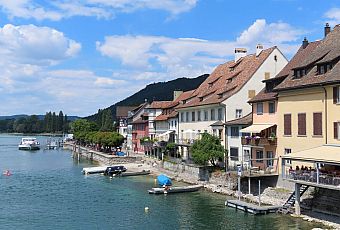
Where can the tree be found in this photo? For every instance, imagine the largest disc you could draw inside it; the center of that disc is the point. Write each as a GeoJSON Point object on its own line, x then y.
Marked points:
{"type": "Point", "coordinates": [107, 121]}
{"type": "Point", "coordinates": [208, 149]}
{"type": "Point", "coordinates": [60, 123]}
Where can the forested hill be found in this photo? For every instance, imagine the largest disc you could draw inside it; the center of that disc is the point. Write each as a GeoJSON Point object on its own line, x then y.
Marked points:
{"type": "Point", "coordinates": [161, 91]}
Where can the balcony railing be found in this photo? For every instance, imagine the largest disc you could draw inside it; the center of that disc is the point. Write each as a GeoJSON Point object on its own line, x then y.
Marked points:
{"type": "Point", "coordinates": [255, 141]}
{"type": "Point", "coordinates": [312, 177]}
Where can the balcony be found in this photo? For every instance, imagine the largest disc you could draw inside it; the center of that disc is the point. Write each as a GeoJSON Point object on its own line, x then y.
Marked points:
{"type": "Point", "coordinates": [259, 141]}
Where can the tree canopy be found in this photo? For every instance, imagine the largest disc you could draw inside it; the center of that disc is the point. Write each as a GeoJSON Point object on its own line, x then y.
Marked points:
{"type": "Point", "coordinates": [207, 149]}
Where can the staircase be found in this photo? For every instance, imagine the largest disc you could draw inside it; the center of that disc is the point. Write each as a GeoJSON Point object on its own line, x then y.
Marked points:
{"type": "Point", "coordinates": [287, 207]}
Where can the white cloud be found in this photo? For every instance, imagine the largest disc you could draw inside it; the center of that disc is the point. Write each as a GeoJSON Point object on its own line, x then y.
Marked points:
{"type": "Point", "coordinates": [333, 16]}
{"type": "Point", "coordinates": [29, 44]}
{"type": "Point", "coordinates": [56, 10]}
{"type": "Point", "coordinates": [273, 33]}
{"type": "Point", "coordinates": [178, 57]}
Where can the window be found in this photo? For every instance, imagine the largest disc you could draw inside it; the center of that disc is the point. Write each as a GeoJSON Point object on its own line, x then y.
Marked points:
{"type": "Point", "coordinates": [238, 113]}
{"type": "Point", "coordinates": [266, 75]}
{"type": "Point", "coordinates": [336, 93]}
{"type": "Point", "coordinates": [336, 130]}
{"type": "Point", "coordinates": [246, 155]}
{"type": "Point", "coordinates": [271, 106]}
{"type": "Point", "coordinates": [219, 114]}
{"type": "Point", "coordinates": [259, 108]}
{"type": "Point", "coordinates": [187, 116]}
{"type": "Point", "coordinates": [182, 117]}
{"type": "Point", "coordinates": [288, 151]}
{"type": "Point", "coordinates": [317, 124]}
{"type": "Point", "coordinates": [234, 131]}
{"type": "Point", "coordinates": [287, 124]}
{"type": "Point", "coordinates": [302, 124]}
{"type": "Point", "coordinates": [234, 153]}
{"type": "Point", "coordinates": [175, 123]}
{"type": "Point", "coordinates": [251, 93]}
{"type": "Point", "coordinates": [270, 156]}
{"type": "Point", "coordinates": [205, 115]}
{"type": "Point", "coordinates": [172, 123]}
{"type": "Point", "coordinates": [259, 156]}
{"type": "Point", "coordinates": [199, 115]}
{"type": "Point", "coordinates": [193, 116]}
{"type": "Point", "coordinates": [220, 134]}
{"type": "Point", "coordinates": [212, 113]}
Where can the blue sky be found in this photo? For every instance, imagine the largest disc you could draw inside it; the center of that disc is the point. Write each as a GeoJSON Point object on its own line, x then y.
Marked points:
{"type": "Point", "coordinates": [82, 55]}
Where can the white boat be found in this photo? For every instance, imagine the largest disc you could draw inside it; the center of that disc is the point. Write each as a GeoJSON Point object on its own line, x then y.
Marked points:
{"type": "Point", "coordinates": [29, 143]}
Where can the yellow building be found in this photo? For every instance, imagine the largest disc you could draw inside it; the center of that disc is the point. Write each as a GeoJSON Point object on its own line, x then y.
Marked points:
{"type": "Point", "coordinates": [308, 114]}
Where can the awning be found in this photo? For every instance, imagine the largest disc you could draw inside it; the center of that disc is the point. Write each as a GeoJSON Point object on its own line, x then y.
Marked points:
{"type": "Point", "coordinates": [166, 133]}
{"type": "Point", "coordinates": [256, 128]}
{"type": "Point", "coordinates": [324, 153]}
{"type": "Point", "coordinates": [190, 131]}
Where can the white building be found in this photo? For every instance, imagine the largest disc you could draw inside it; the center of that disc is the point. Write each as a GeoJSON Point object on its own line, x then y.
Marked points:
{"type": "Point", "coordinates": [224, 94]}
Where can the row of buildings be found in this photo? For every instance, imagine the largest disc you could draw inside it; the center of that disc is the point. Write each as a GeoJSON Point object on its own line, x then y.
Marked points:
{"type": "Point", "coordinates": [270, 114]}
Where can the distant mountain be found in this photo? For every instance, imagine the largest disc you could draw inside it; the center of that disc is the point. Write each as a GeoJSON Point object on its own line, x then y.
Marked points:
{"type": "Point", "coordinates": [41, 117]}
{"type": "Point", "coordinates": [161, 91]}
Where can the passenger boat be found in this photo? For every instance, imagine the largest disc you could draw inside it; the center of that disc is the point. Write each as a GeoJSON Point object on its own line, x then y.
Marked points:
{"type": "Point", "coordinates": [29, 143]}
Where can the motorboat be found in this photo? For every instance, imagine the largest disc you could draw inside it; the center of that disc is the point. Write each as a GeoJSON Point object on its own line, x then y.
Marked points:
{"type": "Point", "coordinates": [113, 170]}
{"type": "Point", "coordinates": [52, 144]}
{"type": "Point", "coordinates": [29, 143]}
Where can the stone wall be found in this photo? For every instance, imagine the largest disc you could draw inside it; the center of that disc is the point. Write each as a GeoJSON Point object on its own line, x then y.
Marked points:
{"type": "Point", "coordinates": [101, 157]}
{"type": "Point", "coordinates": [326, 201]}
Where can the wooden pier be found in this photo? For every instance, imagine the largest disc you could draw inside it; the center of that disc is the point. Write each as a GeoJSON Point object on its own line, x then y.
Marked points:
{"type": "Point", "coordinates": [251, 208]}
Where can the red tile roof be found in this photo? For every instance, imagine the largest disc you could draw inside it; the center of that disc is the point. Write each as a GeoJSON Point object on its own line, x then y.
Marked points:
{"type": "Point", "coordinates": [298, 58]}
{"type": "Point", "coordinates": [246, 120]}
{"type": "Point", "coordinates": [226, 80]}
{"type": "Point", "coordinates": [327, 50]}
{"type": "Point", "coordinates": [159, 104]}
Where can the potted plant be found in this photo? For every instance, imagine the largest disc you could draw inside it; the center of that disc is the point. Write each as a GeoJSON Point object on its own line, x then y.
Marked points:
{"type": "Point", "coordinates": [272, 137]}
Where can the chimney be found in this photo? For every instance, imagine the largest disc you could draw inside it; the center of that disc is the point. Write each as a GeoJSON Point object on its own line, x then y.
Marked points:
{"type": "Point", "coordinates": [327, 29]}
{"type": "Point", "coordinates": [240, 53]}
{"type": "Point", "coordinates": [259, 49]}
{"type": "Point", "coordinates": [177, 93]}
{"type": "Point", "coordinates": [304, 43]}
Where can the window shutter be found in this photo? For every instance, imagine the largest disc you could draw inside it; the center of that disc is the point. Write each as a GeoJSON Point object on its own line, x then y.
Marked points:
{"type": "Point", "coordinates": [317, 124]}
{"type": "Point", "coordinates": [335, 94]}
{"type": "Point", "coordinates": [287, 124]}
{"type": "Point", "coordinates": [336, 130]}
{"type": "Point", "coordinates": [302, 124]}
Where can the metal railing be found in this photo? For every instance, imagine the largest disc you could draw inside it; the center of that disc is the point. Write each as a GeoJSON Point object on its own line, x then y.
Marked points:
{"type": "Point", "coordinates": [258, 141]}
{"type": "Point", "coordinates": [312, 177]}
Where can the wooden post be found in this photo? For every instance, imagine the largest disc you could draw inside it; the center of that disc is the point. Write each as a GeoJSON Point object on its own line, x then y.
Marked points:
{"type": "Point", "coordinates": [259, 192]}
{"type": "Point", "coordinates": [297, 199]}
{"type": "Point", "coordinates": [317, 173]}
{"type": "Point", "coordinates": [249, 184]}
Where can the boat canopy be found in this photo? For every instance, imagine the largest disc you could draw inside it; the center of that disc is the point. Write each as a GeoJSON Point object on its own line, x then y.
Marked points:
{"type": "Point", "coordinates": [164, 180]}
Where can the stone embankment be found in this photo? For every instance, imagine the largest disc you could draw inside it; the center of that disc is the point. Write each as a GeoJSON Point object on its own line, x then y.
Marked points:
{"type": "Point", "coordinates": [218, 182]}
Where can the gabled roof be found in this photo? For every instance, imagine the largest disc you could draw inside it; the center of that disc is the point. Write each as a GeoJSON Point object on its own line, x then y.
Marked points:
{"type": "Point", "coordinates": [226, 80]}
{"type": "Point", "coordinates": [315, 53]}
{"type": "Point", "coordinates": [246, 120]}
{"type": "Point", "coordinates": [159, 104]}
{"type": "Point", "coordinates": [296, 61]}
{"type": "Point", "coordinates": [123, 111]}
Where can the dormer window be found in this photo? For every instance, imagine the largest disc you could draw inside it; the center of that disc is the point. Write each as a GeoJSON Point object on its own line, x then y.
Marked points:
{"type": "Point", "coordinates": [230, 80]}
{"type": "Point", "coordinates": [231, 69]}
{"type": "Point", "coordinates": [299, 73]}
{"type": "Point", "coordinates": [200, 98]}
{"type": "Point", "coordinates": [184, 101]}
{"type": "Point", "coordinates": [324, 68]}
{"type": "Point", "coordinates": [210, 85]}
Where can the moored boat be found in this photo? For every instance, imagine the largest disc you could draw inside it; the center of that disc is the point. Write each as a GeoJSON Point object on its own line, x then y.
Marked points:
{"type": "Point", "coordinates": [113, 170]}
{"type": "Point", "coordinates": [29, 143]}
{"type": "Point", "coordinates": [164, 180]}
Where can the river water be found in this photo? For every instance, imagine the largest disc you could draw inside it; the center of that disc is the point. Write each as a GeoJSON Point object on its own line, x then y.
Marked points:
{"type": "Point", "coordinates": [48, 191]}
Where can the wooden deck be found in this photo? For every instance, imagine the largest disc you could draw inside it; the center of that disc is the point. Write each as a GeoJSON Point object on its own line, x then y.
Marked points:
{"type": "Point", "coordinates": [251, 208]}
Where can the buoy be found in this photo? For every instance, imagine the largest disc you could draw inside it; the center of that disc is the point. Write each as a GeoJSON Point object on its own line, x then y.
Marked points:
{"type": "Point", "coordinates": [146, 209]}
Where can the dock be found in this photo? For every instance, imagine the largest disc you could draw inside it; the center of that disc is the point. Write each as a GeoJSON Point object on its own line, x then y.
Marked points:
{"type": "Point", "coordinates": [251, 208]}
{"type": "Point", "coordinates": [191, 188]}
{"type": "Point", "coordinates": [93, 170]}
